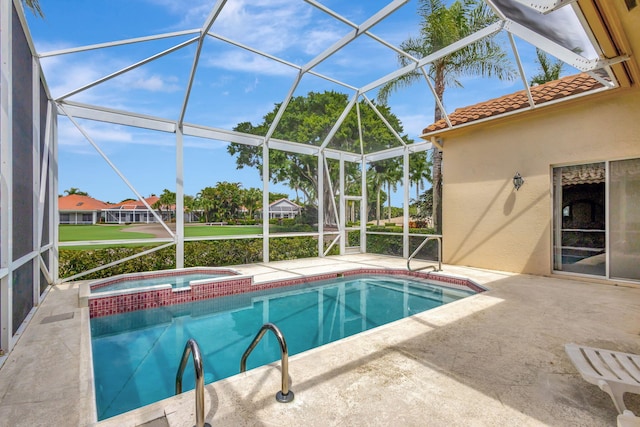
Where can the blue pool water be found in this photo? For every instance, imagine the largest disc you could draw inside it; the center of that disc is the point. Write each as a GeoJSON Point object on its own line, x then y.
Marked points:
{"type": "Point", "coordinates": [136, 355]}
{"type": "Point", "coordinates": [176, 281]}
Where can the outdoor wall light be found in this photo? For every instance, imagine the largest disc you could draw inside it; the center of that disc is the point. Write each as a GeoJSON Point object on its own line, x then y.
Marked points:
{"type": "Point", "coordinates": [518, 180]}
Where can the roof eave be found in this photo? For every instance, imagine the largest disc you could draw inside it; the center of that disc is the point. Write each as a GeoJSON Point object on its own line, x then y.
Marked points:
{"type": "Point", "coordinates": [508, 114]}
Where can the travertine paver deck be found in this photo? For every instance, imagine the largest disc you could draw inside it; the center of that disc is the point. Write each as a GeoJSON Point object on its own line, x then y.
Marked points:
{"type": "Point", "coordinates": [494, 359]}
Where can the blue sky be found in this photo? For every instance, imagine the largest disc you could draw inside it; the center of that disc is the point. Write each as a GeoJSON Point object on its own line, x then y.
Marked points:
{"type": "Point", "coordinates": [231, 85]}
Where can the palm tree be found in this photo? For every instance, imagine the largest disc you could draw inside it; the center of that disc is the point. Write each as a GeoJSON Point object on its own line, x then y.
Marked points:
{"type": "Point", "coordinates": [392, 177]}
{"type": "Point", "coordinates": [550, 71]}
{"type": "Point", "coordinates": [204, 203]}
{"type": "Point", "coordinates": [442, 26]}
{"type": "Point", "coordinates": [251, 197]}
{"type": "Point", "coordinates": [381, 173]}
{"type": "Point", "coordinates": [77, 191]}
{"type": "Point", "coordinates": [419, 170]}
{"type": "Point", "coordinates": [166, 200]}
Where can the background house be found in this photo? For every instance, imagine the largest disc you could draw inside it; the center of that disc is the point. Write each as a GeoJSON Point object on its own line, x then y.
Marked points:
{"type": "Point", "coordinates": [77, 209]}
{"type": "Point", "coordinates": [283, 208]}
{"type": "Point", "coordinates": [136, 212]}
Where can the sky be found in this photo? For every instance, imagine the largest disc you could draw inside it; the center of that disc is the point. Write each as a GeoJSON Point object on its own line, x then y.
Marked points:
{"type": "Point", "coordinates": [231, 85]}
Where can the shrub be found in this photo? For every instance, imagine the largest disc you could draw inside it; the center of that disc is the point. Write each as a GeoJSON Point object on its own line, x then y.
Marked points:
{"type": "Point", "coordinates": [199, 253]}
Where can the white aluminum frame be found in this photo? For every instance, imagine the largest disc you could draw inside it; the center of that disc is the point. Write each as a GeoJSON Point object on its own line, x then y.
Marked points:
{"type": "Point", "coordinates": [267, 142]}
{"type": "Point", "coordinates": [45, 162]}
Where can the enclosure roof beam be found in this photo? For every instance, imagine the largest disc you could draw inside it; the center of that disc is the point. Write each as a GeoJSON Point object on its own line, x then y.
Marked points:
{"type": "Point", "coordinates": [107, 115]}
{"type": "Point", "coordinates": [384, 120]}
{"type": "Point", "coordinates": [470, 39]}
{"type": "Point", "coordinates": [443, 112]}
{"type": "Point", "coordinates": [213, 15]}
{"type": "Point", "coordinates": [293, 147]}
{"type": "Point", "coordinates": [116, 170]}
{"type": "Point", "coordinates": [127, 69]}
{"type": "Point", "coordinates": [280, 60]}
{"type": "Point", "coordinates": [389, 153]}
{"type": "Point", "coordinates": [215, 11]}
{"type": "Point", "coordinates": [377, 17]}
{"type": "Point", "coordinates": [330, 153]}
{"type": "Point", "coordinates": [566, 55]}
{"type": "Point", "coordinates": [545, 6]}
{"type": "Point", "coordinates": [523, 75]}
{"type": "Point", "coordinates": [221, 135]}
{"type": "Point", "coordinates": [353, 25]}
{"type": "Point", "coordinates": [117, 43]}
{"type": "Point", "coordinates": [340, 120]}
{"type": "Point", "coordinates": [282, 108]}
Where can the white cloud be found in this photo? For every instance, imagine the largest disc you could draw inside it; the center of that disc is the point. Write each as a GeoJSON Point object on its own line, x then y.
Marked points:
{"type": "Point", "coordinates": [414, 123]}
{"type": "Point", "coordinates": [139, 79]}
{"type": "Point", "coordinates": [252, 87]}
{"type": "Point", "coordinates": [192, 13]}
{"type": "Point", "coordinates": [246, 62]}
{"type": "Point", "coordinates": [271, 26]}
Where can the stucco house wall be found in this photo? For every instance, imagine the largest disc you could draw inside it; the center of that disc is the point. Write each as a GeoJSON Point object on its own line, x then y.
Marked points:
{"type": "Point", "coordinates": [487, 223]}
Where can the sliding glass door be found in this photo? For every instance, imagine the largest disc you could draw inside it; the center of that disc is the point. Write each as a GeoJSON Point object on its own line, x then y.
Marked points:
{"type": "Point", "coordinates": [596, 219]}
{"type": "Point", "coordinates": [624, 223]}
{"type": "Point", "coordinates": [579, 213]}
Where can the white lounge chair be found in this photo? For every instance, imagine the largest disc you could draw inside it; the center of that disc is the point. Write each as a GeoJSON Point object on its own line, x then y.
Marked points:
{"type": "Point", "coordinates": [628, 419]}
{"type": "Point", "coordinates": [614, 372]}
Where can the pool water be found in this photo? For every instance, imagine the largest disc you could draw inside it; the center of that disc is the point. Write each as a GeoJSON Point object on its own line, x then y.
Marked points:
{"type": "Point", "coordinates": [136, 355]}
{"type": "Point", "coordinates": [176, 281]}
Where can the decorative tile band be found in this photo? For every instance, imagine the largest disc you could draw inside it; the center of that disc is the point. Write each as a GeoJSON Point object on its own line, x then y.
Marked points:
{"type": "Point", "coordinates": [160, 296]}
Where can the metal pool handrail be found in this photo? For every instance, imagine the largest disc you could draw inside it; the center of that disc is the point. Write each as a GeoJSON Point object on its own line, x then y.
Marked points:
{"type": "Point", "coordinates": [285, 395]}
{"type": "Point", "coordinates": [192, 348]}
{"type": "Point", "coordinates": [437, 237]}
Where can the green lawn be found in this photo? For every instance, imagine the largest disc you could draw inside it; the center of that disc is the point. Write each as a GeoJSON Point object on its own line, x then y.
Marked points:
{"type": "Point", "coordinates": [74, 233]}
{"type": "Point", "coordinates": [220, 230]}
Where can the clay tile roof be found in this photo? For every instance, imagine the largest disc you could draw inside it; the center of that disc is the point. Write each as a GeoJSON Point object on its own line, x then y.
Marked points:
{"type": "Point", "coordinates": [76, 202]}
{"type": "Point", "coordinates": [135, 204]}
{"type": "Point", "coordinates": [583, 174]}
{"type": "Point", "coordinates": [566, 86]}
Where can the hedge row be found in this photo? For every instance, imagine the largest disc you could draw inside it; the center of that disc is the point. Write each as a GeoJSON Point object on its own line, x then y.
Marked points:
{"type": "Point", "coordinates": [392, 244]}
{"type": "Point", "coordinates": [196, 254]}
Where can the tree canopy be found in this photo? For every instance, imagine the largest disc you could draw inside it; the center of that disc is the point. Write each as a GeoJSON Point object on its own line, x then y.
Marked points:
{"type": "Point", "coordinates": [308, 120]}
{"type": "Point", "coordinates": [75, 190]}
{"type": "Point", "coordinates": [549, 70]}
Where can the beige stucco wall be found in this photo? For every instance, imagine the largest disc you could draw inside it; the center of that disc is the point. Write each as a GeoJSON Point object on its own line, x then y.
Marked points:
{"type": "Point", "coordinates": [486, 222]}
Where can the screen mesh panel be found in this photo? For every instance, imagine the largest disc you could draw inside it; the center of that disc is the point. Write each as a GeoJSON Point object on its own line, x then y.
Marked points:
{"type": "Point", "coordinates": [22, 294]}
{"type": "Point", "coordinates": [22, 143]}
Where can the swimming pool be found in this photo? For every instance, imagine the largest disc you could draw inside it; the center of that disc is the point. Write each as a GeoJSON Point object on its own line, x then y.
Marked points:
{"type": "Point", "coordinates": [136, 354]}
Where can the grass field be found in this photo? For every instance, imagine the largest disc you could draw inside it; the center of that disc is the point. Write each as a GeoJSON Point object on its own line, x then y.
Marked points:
{"type": "Point", "coordinates": [74, 233]}
{"type": "Point", "coordinates": [220, 230]}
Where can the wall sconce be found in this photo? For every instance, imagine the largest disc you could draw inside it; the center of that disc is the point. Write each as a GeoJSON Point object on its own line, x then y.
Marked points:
{"type": "Point", "coordinates": [518, 180]}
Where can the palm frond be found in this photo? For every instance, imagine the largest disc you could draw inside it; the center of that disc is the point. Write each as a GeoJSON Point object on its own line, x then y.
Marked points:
{"type": "Point", "coordinates": [34, 6]}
